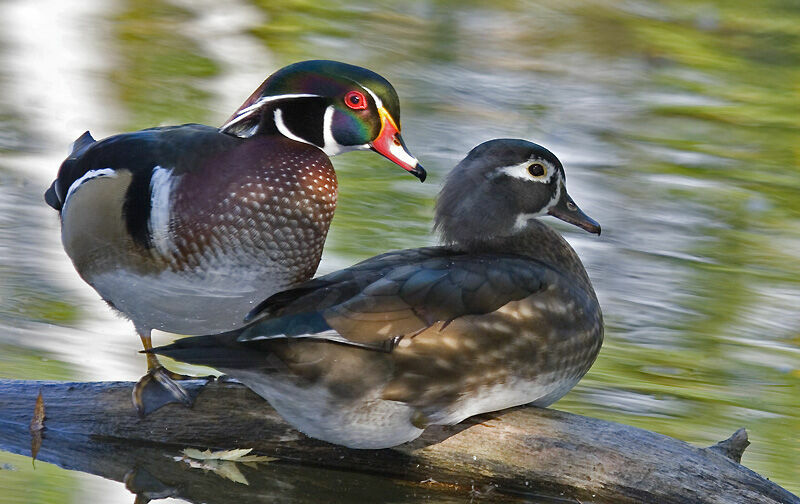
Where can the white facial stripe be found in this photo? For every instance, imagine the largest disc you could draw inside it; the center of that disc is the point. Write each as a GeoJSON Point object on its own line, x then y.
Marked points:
{"type": "Point", "coordinates": [104, 172]}
{"type": "Point", "coordinates": [521, 171]}
{"type": "Point", "coordinates": [331, 147]}
{"type": "Point", "coordinates": [250, 110]}
{"type": "Point", "coordinates": [284, 130]}
{"type": "Point", "coordinates": [378, 102]}
{"type": "Point", "coordinates": [161, 184]}
{"type": "Point", "coordinates": [396, 150]}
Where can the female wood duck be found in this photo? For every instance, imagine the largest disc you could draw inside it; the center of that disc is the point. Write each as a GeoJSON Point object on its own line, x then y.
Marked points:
{"type": "Point", "coordinates": [504, 314]}
{"type": "Point", "coordinates": [184, 228]}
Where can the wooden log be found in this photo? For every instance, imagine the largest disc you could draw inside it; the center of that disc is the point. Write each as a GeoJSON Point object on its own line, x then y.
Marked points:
{"type": "Point", "coordinates": [512, 455]}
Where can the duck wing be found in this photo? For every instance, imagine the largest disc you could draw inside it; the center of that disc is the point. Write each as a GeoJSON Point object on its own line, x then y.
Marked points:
{"type": "Point", "coordinates": [378, 301]}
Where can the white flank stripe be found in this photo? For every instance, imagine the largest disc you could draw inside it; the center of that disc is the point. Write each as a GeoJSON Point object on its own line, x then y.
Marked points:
{"type": "Point", "coordinates": [248, 111]}
{"type": "Point", "coordinates": [329, 335]}
{"type": "Point", "coordinates": [161, 183]}
{"type": "Point", "coordinates": [103, 172]}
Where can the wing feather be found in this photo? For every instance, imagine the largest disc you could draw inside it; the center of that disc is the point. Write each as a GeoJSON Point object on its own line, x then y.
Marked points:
{"type": "Point", "coordinates": [397, 294]}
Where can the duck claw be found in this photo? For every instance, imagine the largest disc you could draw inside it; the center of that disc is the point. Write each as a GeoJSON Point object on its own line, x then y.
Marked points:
{"type": "Point", "coordinates": [160, 387]}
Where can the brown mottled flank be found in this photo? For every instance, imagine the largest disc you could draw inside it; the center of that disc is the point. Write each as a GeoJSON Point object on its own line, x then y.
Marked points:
{"type": "Point", "coordinates": [273, 203]}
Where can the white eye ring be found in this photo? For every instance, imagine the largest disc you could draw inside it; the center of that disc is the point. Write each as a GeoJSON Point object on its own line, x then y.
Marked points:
{"type": "Point", "coordinates": [537, 170]}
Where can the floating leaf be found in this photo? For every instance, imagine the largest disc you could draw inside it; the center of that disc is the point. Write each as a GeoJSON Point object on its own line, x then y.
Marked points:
{"type": "Point", "coordinates": [36, 427]}
{"type": "Point", "coordinates": [228, 470]}
{"type": "Point", "coordinates": [37, 422]}
{"type": "Point", "coordinates": [223, 462]}
{"type": "Point", "coordinates": [236, 455]}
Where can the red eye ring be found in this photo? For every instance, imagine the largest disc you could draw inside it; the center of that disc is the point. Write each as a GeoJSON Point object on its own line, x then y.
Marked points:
{"type": "Point", "coordinates": [355, 100]}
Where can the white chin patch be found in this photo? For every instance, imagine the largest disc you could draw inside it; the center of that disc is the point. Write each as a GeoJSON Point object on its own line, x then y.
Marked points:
{"type": "Point", "coordinates": [522, 220]}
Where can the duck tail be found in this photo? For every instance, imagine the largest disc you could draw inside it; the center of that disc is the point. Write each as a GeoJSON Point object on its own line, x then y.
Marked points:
{"type": "Point", "coordinates": [80, 144]}
{"type": "Point", "coordinates": [51, 198]}
{"type": "Point", "coordinates": [220, 351]}
{"type": "Point", "coordinates": [55, 194]}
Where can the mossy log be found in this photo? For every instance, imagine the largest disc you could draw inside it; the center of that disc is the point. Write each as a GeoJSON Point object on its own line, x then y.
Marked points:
{"type": "Point", "coordinates": [515, 455]}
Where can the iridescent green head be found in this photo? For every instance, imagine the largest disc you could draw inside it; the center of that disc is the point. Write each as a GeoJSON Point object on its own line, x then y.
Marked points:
{"type": "Point", "coordinates": [335, 106]}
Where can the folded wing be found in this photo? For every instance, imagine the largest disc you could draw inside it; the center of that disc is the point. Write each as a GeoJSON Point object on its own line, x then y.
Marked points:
{"type": "Point", "coordinates": [397, 294]}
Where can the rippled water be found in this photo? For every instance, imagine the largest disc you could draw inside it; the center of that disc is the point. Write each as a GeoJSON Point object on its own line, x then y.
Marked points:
{"type": "Point", "coordinates": [677, 122]}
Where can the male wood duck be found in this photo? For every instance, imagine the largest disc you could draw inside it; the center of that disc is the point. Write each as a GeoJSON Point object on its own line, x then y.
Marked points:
{"type": "Point", "coordinates": [503, 314]}
{"type": "Point", "coordinates": [184, 228]}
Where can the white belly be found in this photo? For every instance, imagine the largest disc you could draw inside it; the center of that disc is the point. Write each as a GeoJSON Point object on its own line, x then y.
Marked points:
{"type": "Point", "coordinates": [186, 303]}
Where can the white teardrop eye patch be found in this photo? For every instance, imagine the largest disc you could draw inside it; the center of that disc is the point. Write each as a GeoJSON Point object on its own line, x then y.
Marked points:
{"type": "Point", "coordinates": [536, 171]}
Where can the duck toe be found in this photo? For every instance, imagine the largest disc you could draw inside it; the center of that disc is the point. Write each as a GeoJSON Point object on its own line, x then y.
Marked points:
{"type": "Point", "coordinates": [160, 387]}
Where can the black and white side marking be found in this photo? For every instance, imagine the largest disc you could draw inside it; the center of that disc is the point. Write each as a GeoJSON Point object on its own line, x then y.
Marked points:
{"type": "Point", "coordinates": [89, 175]}
{"type": "Point", "coordinates": [161, 186]}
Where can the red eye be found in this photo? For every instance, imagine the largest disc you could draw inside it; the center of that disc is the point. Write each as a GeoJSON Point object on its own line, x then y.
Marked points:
{"type": "Point", "coordinates": [355, 100]}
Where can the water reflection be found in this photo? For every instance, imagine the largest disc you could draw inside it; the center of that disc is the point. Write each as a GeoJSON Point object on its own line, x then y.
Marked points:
{"type": "Point", "coordinates": [677, 121]}
{"type": "Point", "coordinates": [153, 473]}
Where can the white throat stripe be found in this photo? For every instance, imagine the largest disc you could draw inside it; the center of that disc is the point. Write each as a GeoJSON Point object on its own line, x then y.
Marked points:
{"type": "Point", "coordinates": [284, 130]}
{"type": "Point", "coordinates": [331, 147]}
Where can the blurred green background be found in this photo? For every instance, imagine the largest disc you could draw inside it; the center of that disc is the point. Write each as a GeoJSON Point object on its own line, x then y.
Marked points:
{"type": "Point", "coordinates": [678, 122]}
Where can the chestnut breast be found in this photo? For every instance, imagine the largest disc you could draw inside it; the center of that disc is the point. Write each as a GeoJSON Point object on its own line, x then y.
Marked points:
{"type": "Point", "coordinates": [269, 199]}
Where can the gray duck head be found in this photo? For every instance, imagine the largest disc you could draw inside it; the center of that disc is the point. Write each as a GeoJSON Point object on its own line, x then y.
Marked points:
{"type": "Point", "coordinates": [499, 187]}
